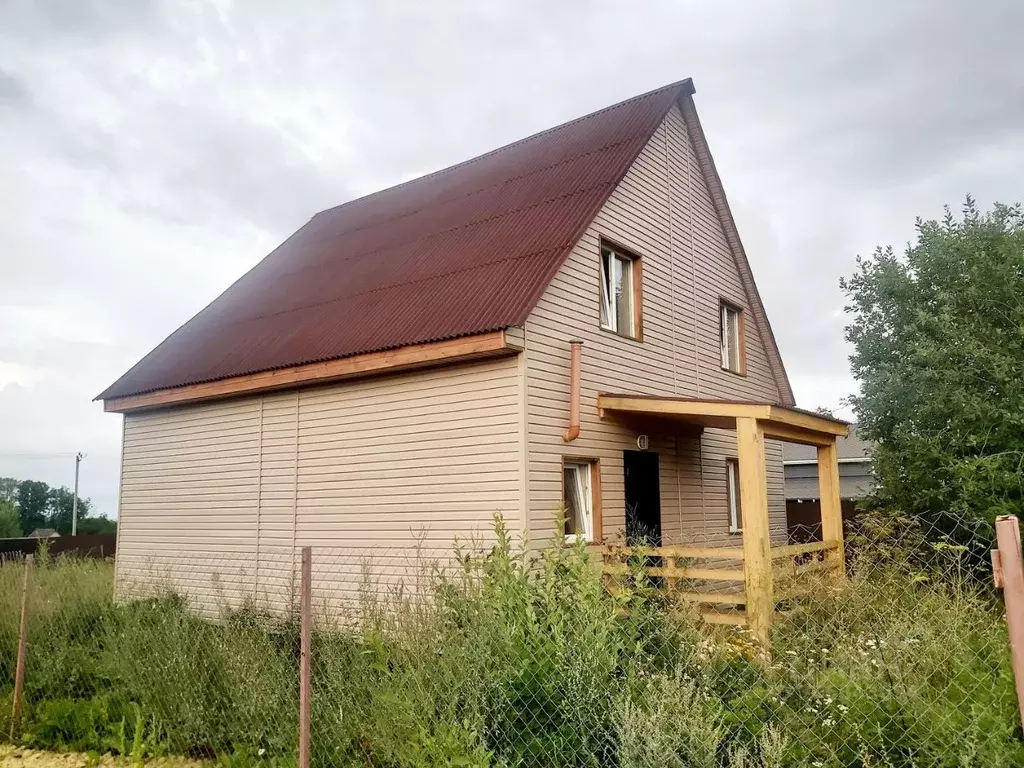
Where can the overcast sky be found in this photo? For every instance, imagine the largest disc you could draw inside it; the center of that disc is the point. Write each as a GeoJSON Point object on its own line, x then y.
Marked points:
{"type": "Point", "coordinates": [150, 152]}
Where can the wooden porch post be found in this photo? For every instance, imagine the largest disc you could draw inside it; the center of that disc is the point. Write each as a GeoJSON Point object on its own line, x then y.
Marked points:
{"type": "Point", "coordinates": [831, 504]}
{"type": "Point", "coordinates": [757, 559]}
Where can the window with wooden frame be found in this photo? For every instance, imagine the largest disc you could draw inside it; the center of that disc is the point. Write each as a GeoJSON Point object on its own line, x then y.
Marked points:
{"type": "Point", "coordinates": [731, 333]}
{"type": "Point", "coordinates": [620, 291]}
{"type": "Point", "coordinates": [732, 495]}
{"type": "Point", "coordinates": [581, 498]}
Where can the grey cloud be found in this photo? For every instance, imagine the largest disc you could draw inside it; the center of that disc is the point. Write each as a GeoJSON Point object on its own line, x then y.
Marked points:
{"type": "Point", "coordinates": [153, 151]}
{"type": "Point", "coordinates": [95, 21]}
{"type": "Point", "coordinates": [13, 91]}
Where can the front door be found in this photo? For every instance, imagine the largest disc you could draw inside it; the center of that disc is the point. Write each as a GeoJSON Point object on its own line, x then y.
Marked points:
{"type": "Point", "coordinates": [643, 498]}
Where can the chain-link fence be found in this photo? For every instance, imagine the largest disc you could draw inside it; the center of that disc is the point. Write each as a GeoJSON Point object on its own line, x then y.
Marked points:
{"type": "Point", "coordinates": [498, 655]}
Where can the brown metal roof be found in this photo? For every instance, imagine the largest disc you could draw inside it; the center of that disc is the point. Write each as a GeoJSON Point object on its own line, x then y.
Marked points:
{"type": "Point", "coordinates": [461, 251]}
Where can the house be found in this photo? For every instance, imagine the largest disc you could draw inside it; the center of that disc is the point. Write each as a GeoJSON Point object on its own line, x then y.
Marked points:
{"type": "Point", "coordinates": [803, 497]}
{"type": "Point", "coordinates": [44, 533]}
{"type": "Point", "coordinates": [569, 321]}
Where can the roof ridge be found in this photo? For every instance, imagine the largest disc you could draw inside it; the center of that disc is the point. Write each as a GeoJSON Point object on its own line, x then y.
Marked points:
{"type": "Point", "coordinates": [686, 82]}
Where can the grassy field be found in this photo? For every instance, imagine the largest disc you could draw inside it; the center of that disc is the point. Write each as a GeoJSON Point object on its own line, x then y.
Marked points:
{"type": "Point", "coordinates": [521, 663]}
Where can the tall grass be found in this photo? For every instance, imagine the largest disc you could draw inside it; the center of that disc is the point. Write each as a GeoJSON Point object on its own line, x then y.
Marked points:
{"type": "Point", "coordinates": [525, 661]}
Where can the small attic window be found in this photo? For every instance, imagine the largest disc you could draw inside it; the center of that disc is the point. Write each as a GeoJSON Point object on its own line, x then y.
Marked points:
{"type": "Point", "coordinates": [620, 281]}
{"type": "Point", "coordinates": [731, 332]}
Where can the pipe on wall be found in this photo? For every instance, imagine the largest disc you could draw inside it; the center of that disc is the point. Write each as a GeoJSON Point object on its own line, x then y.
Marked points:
{"type": "Point", "coordinates": [575, 353]}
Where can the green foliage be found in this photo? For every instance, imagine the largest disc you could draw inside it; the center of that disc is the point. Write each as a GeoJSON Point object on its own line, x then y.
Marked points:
{"type": "Point", "coordinates": [10, 525]}
{"type": "Point", "coordinates": [9, 490]}
{"type": "Point", "coordinates": [938, 339]}
{"type": "Point", "coordinates": [60, 508]}
{"type": "Point", "coordinates": [97, 525]}
{"type": "Point", "coordinates": [33, 504]}
{"type": "Point", "coordinates": [524, 660]}
{"type": "Point", "coordinates": [38, 505]}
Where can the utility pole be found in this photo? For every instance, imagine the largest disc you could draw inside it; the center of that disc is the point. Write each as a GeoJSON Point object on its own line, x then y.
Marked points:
{"type": "Point", "coordinates": [74, 500]}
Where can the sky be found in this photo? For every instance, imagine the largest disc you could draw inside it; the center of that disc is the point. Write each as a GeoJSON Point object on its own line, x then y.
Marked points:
{"type": "Point", "coordinates": [151, 152]}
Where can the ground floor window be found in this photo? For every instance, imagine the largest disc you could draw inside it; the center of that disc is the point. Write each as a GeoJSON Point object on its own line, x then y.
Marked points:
{"type": "Point", "coordinates": [578, 482]}
{"type": "Point", "coordinates": [732, 492]}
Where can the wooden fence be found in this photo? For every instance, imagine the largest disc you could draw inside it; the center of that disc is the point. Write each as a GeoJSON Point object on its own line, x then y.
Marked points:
{"type": "Point", "coordinates": [97, 545]}
{"type": "Point", "coordinates": [714, 578]}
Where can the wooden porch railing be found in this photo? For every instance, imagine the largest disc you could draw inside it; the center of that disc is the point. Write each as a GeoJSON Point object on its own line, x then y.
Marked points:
{"type": "Point", "coordinates": [714, 578]}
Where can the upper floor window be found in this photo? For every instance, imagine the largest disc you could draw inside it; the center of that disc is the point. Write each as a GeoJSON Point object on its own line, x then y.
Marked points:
{"type": "Point", "coordinates": [733, 353]}
{"type": "Point", "coordinates": [619, 275]}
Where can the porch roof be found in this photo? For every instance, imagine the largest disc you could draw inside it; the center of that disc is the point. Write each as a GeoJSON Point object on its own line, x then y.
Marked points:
{"type": "Point", "coordinates": [777, 422]}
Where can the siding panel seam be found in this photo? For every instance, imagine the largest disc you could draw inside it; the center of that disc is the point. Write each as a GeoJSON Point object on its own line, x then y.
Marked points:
{"type": "Point", "coordinates": [259, 506]}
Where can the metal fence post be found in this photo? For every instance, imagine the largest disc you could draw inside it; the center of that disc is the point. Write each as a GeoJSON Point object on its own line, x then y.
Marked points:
{"type": "Point", "coordinates": [1010, 572]}
{"type": "Point", "coordinates": [19, 674]}
{"type": "Point", "coordinates": [305, 667]}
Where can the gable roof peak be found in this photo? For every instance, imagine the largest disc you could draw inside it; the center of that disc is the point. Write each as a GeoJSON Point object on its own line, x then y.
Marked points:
{"type": "Point", "coordinates": [461, 251]}
{"type": "Point", "coordinates": [682, 87]}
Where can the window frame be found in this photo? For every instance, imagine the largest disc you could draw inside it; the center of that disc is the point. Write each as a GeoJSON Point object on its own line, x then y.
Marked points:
{"type": "Point", "coordinates": [733, 502]}
{"type": "Point", "coordinates": [595, 534]}
{"type": "Point", "coordinates": [635, 294]}
{"type": "Point", "coordinates": [724, 337]}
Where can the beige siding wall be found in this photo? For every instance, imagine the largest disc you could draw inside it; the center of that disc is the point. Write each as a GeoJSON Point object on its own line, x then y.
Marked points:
{"type": "Point", "coordinates": [379, 475]}
{"type": "Point", "coordinates": [662, 210]}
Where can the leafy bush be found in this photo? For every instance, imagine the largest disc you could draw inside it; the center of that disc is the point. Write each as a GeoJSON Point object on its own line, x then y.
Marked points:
{"type": "Point", "coordinates": [527, 660]}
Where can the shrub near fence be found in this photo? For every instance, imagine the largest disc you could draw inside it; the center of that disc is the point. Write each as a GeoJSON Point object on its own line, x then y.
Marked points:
{"type": "Point", "coordinates": [502, 660]}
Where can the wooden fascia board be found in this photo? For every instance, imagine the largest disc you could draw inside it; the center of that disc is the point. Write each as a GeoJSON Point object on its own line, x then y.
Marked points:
{"type": "Point", "coordinates": [788, 434]}
{"type": "Point", "coordinates": [683, 408]}
{"type": "Point", "coordinates": [777, 422]}
{"type": "Point", "coordinates": [808, 422]}
{"type": "Point", "coordinates": [435, 353]}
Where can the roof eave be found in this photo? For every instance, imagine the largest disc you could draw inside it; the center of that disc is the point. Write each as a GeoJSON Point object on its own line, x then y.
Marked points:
{"type": "Point", "coordinates": [499, 343]}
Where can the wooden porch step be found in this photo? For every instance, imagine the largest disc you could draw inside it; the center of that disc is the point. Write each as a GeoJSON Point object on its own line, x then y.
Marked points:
{"type": "Point", "coordinates": [714, 598]}
{"type": "Point", "coordinates": [732, 617]}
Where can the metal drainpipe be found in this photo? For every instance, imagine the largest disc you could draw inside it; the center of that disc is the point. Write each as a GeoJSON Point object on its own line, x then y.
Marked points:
{"type": "Point", "coordinates": [575, 350]}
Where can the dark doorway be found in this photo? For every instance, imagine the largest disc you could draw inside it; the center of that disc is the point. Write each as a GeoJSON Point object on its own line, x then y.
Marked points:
{"type": "Point", "coordinates": [643, 498]}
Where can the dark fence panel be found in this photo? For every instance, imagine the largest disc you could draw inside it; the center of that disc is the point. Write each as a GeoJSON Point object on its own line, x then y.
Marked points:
{"type": "Point", "coordinates": [86, 545]}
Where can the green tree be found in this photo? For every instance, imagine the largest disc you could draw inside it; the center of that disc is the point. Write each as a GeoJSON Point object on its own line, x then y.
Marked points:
{"type": "Point", "coordinates": [938, 350]}
{"type": "Point", "coordinates": [33, 504]}
{"type": "Point", "coordinates": [97, 524]}
{"type": "Point", "coordinates": [9, 490]}
{"type": "Point", "coordinates": [10, 525]}
{"type": "Point", "coordinates": [60, 507]}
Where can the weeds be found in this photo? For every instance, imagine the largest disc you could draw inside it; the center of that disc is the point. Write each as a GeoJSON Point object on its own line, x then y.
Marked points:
{"type": "Point", "coordinates": [521, 660]}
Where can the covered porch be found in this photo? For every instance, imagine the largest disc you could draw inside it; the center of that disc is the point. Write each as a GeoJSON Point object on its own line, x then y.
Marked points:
{"type": "Point", "coordinates": [766, 574]}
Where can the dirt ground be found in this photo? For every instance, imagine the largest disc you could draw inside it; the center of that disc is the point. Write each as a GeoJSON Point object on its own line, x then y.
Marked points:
{"type": "Point", "coordinates": [11, 757]}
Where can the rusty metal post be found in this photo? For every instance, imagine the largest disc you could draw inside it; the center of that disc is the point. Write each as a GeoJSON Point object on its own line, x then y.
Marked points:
{"type": "Point", "coordinates": [305, 666]}
{"type": "Point", "coordinates": [1011, 574]}
{"type": "Point", "coordinates": [19, 674]}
